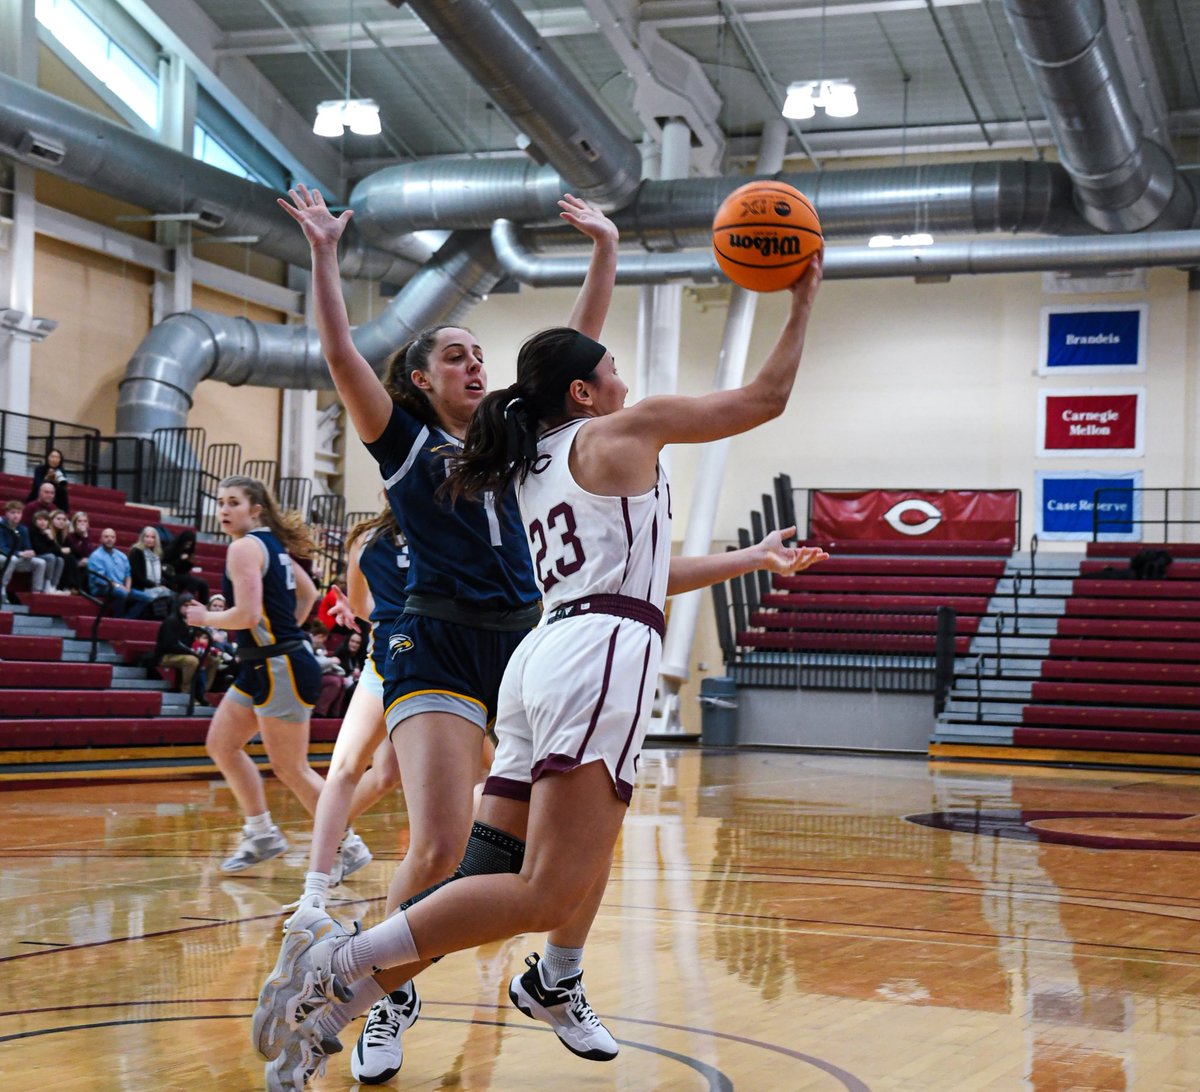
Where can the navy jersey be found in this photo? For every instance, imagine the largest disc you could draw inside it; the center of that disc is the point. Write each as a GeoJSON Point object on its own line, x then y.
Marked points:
{"type": "Point", "coordinates": [473, 551]}
{"type": "Point", "coordinates": [278, 622]}
{"type": "Point", "coordinates": [384, 564]}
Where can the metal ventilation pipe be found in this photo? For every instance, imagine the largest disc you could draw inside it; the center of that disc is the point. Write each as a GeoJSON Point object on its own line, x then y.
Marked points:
{"type": "Point", "coordinates": [1075, 255]}
{"type": "Point", "coordinates": [186, 348]}
{"type": "Point", "coordinates": [523, 76]}
{"type": "Point", "coordinates": [968, 198]}
{"type": "Point", "coordinates": [46, 132]}
{"type": "Point", "coordinates": [1123, 180]}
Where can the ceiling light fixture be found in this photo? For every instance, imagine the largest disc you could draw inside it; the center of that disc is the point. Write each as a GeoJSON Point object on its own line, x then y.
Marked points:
{"type": "Point", "coordinates": [335, 116]}
{"type": "Point", "coordinates": [918, 238]}
{"type": "Point", "coordinates": [836, 97]}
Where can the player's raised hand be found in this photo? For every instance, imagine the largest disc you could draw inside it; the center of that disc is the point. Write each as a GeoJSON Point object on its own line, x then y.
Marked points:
{"type": "Point", "coordinates": [588, 219]}
{"type": "Point", "coordinates": [308, 209]}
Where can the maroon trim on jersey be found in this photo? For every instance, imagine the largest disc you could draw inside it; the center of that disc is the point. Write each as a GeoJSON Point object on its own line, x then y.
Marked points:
{"type": "Point", "coordinates": [628, 538]}
{"type": "Point", "coordinates": [508, 788]}
{"type": "Point", "coordinates": [608, 662]}
{"type": "Point", "coordinates": [653, 543]}
{"type": "Point", "coordinates": [567, 763]}
{"type": "Point", "coordinates": [558, 428]}
{"type": "Point", "coordinates": [637, 711]}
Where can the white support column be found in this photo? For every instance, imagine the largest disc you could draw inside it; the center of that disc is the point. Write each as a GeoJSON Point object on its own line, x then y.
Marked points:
{"type": "Point", "coordinates": [659, 318]}
{"type": "Point", "coordinates": [172, 291]}
{"type": "Point", "coordinates": [702, 517]}
{"type": "Point", "coordinates": [18, 58]}
{"type": "Point", "coordinates": [298, 427]}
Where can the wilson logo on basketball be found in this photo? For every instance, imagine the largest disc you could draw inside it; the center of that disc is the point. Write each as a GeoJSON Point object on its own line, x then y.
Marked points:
{"type": "Point", "coordinates": [769, 246]}
{"type": "Point", "coordinates": [399, 642]}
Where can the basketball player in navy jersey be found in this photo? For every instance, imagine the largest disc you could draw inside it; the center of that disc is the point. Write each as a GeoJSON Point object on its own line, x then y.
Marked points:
{"type": "Point", "coordinates": [471, 595]}
{"type": "Point", "coordinates": [575, 698]}
{"type": "Point", "coordinates": [376, 574]}
{"type": "Point", "coordinates": [269, 596]}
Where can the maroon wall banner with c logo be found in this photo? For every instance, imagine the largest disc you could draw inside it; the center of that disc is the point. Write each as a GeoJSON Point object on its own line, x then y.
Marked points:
{"type": "Point", "coordinates": [898, 515]}
{"type": "Point", "coordinates": [1077, 422]}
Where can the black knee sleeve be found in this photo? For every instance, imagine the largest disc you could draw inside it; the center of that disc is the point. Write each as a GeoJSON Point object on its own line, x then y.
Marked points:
{"type": "Point", "coordinates": [489, 851]}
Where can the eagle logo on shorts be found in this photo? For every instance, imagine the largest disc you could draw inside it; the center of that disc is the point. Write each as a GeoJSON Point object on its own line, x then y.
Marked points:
{"type": "Point", "coordinates": [399, 642]}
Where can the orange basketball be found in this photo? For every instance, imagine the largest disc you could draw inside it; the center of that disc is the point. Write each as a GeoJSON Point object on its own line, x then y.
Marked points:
{"type": "Point", "coordinates": [764, 235]}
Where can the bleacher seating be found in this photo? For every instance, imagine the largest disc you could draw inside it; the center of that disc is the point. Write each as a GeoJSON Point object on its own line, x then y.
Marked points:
{"type": "Point", "coordinates": [1117, 678]}
{"type": "Point", "coordinates": [871, 603]}
{"type": "Point", "coordinates": [63, 718]}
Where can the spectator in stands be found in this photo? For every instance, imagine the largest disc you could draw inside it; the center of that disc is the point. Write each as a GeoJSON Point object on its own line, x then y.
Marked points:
{"type": "Point", "coordinates": [44, 502]}
{"type": "Point", "coordinates": [332, 675]}
{"type": "Point", "coordinates": [17, 551]}
{"type": "Point", "coordinates": [60, 530]}
{"type": "Point", "coordinates": [353, 657]}
{"type": "Point", "coordinates": [221, 648]}
{"type": "Point", "coordinates": [109, 577]}
{"type": "Point", "coordinates": [52, 471]}
{"type": "Point", "coordinates": [184, 648]}
{"type": "Point", "coordinates": [81, 542]}
{"type": "Point", "coordinates": [185, 576]}
{"type": "Point", "coordinates": [45, 548]}
{"type": "Point", "coordinates": [146, 569]}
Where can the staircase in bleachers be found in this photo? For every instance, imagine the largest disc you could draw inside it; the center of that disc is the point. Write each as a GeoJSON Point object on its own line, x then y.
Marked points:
{"type": "Point", "coordinates": [1090, 665]}
{"type": "Point", "coordinates": [64, 717]}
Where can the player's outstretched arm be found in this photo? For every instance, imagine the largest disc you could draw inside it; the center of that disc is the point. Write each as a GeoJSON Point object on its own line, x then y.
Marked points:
{"type": "Point", "coordinates": [361, 392]}
{"type": "Point", "coordinates": [690, 573]}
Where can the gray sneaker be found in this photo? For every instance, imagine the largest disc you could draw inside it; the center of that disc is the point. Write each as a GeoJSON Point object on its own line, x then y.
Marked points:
{"type": "Point", "coordinates": [295, 996]}
{"type": "Point", "coordinates": [301, 992]}
{"type": "Point", "coordinates": [352, 855]}
{"type": "Point", "coordinates": [254, 849]}
{"type": "Point", "coordinates": [301, 1057]}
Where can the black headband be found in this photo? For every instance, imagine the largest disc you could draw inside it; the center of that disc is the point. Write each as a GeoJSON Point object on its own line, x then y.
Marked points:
{"type": "Point", "coordinates": [580, 355]}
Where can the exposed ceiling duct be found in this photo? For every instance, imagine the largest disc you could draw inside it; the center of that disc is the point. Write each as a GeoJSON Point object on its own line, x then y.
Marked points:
{"type": "Point", "coordinates": [1005, 195]}
{"type": "Point", "coordinates": [1124, 181]}
{"type": "Point", "coordinates": [53, 135]}
{"type": "Point", "coordinates": [186, 348]}
{"type": "Point", "coordinates": [541, 96]}
{"type": "Point", "coordinates": [1068, 255]}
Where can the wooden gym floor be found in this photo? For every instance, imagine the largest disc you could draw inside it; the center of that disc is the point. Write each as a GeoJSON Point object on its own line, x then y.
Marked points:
{"type": "Point", "coordinates": [775, 921]}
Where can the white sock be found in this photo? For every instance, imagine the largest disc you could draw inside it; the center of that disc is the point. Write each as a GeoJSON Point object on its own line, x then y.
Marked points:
{"type": "Point", "coordinates": [259, 824]}
{"type": "Point", "coordinates": [316, 883]}
{"type": "Point", "coordinates": [388, 944]}
{"type": "Point", "coordinates": [559, 963]}
{"type": "Point", "coordinates": [365, 992]}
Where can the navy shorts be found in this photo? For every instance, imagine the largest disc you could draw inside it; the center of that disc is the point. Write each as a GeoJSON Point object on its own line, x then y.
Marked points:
{"type": "Point", "coordinates": [431, 665]}
{"type": "Point", "coordinates": [286, 687]}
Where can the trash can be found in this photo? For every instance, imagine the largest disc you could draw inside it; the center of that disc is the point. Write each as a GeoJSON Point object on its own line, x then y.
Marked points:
{"type": "Point", "coordinates": [718, 711]}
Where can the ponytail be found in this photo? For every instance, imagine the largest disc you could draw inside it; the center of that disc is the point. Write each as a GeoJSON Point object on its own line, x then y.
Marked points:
{"type": "Point", "coordinates": [369, 529]}
{"type": "Point", "coordinates": [501, 442]}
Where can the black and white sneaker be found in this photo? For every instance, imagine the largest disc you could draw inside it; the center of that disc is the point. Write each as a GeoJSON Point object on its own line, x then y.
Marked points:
{"type": "Point", "coordinates": [565, 1008]}
{"type": "Point", "coordinates": [378, 1055]}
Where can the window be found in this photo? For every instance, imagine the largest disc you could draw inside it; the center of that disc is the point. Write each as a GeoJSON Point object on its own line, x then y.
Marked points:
{"type": "Point", "coordinates": [208, 149]}
{"type": "Point", "coordinates": [108, 62]}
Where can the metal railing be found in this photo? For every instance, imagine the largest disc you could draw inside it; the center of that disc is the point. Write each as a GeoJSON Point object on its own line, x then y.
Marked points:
{"type": "Point", "coordinates": [1134, 515]}
{"type": "Point", "coordinates": [25, 440]}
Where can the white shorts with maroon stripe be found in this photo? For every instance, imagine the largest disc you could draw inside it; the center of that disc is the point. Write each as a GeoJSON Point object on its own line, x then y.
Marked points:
{"type": "Point", "coordinates": [576, 691]}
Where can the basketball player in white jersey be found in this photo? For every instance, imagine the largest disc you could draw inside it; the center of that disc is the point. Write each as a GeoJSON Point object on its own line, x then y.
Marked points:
{"type": "Point", "coordinates": [576, 695]}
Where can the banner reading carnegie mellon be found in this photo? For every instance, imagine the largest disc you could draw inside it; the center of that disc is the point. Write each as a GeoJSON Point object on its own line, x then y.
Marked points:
{"type": "Point", "coordinates": [906, 515]}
